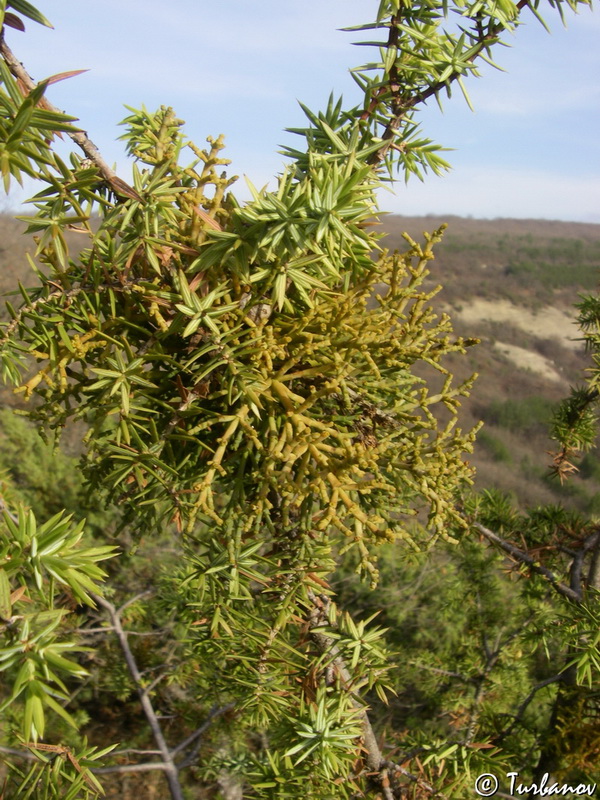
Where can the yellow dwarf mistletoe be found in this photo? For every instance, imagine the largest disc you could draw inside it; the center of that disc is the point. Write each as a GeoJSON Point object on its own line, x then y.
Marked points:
{"type": "Point", "coordinates": [248, 369]}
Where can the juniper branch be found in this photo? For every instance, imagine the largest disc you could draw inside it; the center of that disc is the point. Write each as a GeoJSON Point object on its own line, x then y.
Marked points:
{"type": "Point", "coordinates": [318, 619]}
{"type": "Point", "coordinates": [80, 137]}
{"type": "Point", "coordinates": [529, 561]}
{"type": "Point", "coordinates": [400, 108]}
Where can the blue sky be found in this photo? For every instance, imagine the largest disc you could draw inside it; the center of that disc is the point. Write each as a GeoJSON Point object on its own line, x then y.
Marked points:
{"type": "Point", "coordinates": [531, 149]}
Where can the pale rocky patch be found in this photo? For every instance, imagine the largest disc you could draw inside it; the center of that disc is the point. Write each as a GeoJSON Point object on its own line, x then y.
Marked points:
{"type": "Point", "coordinates": [547, 323]}
{"type": "Point", "coordinates": [527, 359]}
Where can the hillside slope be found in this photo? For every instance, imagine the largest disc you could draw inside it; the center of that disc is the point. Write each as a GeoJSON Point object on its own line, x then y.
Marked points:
{"type": "Point", "coordinates": [513, 284]}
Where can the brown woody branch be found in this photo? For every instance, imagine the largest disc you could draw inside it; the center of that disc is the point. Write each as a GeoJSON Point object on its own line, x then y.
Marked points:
{"type": "Point", "coordinates": [318, 619]}
{"type": "Point", "coordinates": [79, 137]}
{"type": "Point", "coordinates": [590, 543]}
{"type": "Point", "coordinates": [593, 576]}
{"type": "Point", "coordinates": [381, 770]}
{"type": "Point", "coordinates": [400, 108]}
{"type": "Point", "coordinates": [168, 763]}
{"type": "Point", "coordinates": [529, 561]}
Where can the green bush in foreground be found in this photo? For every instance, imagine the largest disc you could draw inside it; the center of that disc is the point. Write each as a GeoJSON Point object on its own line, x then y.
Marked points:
{"type": "Point", "coordinates": [246, 403]}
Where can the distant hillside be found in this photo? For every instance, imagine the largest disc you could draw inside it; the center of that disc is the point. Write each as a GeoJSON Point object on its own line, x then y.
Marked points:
{"type": "Point", "coordinates": [531, 262]}
{"type": "Point", "coordinates": [511, 283]}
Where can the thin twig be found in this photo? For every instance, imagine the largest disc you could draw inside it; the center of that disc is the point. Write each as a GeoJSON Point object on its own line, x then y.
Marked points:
{"type": "Point", "coordinates": [25, 754]}
{"type": "Point", "coordinates": [526, 559]}
{"type": "Point", "coordinates": [155, 682]}
{"type": "Point", "coordinates": [168, 764]}
{"type": "Point", "coordinates": [85, 631]}
{"type": "Point", "coordinates": [523, 707]}
{"type": "Point", "coordinates": [132, 600]}
{"type": "Point", "coordinates": [401, 107]}
{"type": "Point", "coordinates": [79, 137]}
{"type": "Point", "coordinates": [215, 711]}
{"type": "Point", "coordinates": [414, 778]}
{"type": "Point", "coordinates": [193, 754]}
{"type": "Point", "coordinates": [445, 672]}
{"type": "Point", "coordinates": [122, 768]}
{"type": "Point", "coordinates": [145, 767]}
{"type": "Point", "coordinates": [492, 657]}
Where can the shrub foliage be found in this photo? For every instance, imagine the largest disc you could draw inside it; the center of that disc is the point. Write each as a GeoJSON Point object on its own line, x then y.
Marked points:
{"type": "Point", "coordinates": [255, 404]}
